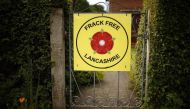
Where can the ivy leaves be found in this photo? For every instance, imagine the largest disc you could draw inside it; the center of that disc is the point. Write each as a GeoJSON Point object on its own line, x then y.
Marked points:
{"type": "Point", "coordinates": [169, 65]}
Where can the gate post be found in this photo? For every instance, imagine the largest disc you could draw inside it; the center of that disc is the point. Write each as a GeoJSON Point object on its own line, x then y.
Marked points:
{"type": "Point", "coordinates": [57, 41]}
{"type": "Point", "coordinates": [147, 52]}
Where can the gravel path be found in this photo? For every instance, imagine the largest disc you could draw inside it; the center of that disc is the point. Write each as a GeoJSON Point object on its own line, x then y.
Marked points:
{"type": "Point", "coordinates": [106, 91]}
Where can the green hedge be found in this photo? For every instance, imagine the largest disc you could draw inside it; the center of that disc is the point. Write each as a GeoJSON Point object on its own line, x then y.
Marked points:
{"type": "Point", "coordinates": [169, 67]}
{"type": "Point", "coordinates": [25, 54]}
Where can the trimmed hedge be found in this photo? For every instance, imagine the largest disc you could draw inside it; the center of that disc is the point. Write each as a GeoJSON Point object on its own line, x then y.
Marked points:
{"type": "Point", "coordinates": [25, 54]}
{"type": "Point", "coordinates": [169, 67]}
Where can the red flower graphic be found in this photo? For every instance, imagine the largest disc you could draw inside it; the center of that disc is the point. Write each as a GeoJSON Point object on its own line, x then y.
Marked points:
{"type": "Point", "coordinates": [102, 42]}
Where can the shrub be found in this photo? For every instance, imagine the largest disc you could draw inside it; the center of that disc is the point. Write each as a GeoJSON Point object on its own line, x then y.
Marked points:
{"type": "Point", "coordinates": [169, 66]}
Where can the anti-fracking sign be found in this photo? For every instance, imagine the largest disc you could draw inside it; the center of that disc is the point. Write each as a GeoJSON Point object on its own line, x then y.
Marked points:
{"type": "Point", "coordinates": [102, 42]}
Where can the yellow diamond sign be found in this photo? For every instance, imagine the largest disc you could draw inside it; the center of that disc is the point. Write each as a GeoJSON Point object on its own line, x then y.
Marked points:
{"type": "Point", "coordinates": [102, 42]}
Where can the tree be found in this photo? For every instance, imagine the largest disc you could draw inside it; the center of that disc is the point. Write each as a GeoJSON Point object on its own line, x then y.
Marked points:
{"type": "Point", "coordinates": [83, 5]}
{"type": "Point", "coordinates": [97, 8]}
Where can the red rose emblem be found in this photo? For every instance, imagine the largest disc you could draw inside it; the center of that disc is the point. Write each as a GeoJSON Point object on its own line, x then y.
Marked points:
{"type": "Point", "coordinates": [102, 42]}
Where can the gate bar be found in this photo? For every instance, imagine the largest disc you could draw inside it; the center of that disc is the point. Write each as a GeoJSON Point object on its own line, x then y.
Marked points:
{"type": "Point", "coordinates": [94, 88]}
{"type": "Point", "coordinates": [70, 55]}
{"type": "Point", "coordinates": [118, 88]}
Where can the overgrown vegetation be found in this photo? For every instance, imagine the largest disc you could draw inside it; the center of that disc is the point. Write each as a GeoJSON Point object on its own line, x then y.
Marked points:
{"type": "Point", "coordinates": [25, 75]}
{"type": "Point", "coordinates": [25, 54]}
{"type": "Point", "coordinates": [169, 60]}
{"type": "Point", "coordinates": [133, 66]}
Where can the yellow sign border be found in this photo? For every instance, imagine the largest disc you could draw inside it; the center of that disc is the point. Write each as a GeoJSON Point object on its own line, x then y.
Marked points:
{"type": "Point", "coordinates": [122, 19]}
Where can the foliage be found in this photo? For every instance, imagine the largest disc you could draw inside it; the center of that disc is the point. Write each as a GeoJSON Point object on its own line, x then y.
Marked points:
{"type": "Point", "coordinates": [138, 60]}
{"type": "Point", "coordinates": [97, 8]}
{"type": "Point", "coordinates": [79, 5]}
{"type": "Point", "coordinates": [86, 78]}
{"type": "Point", "coordinates": [169, 59]}
{"type": "Point", "coordinates": [25, 53]}
{"type": "Point", "coordinates": [83, 6]}
{"type": "Point", "coordinates": [133, 65]}
{"type": "Point", "coordinates": [58, 3]}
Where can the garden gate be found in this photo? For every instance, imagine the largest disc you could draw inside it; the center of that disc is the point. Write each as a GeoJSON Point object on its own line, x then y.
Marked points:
{"type": "Point", "coordinates": [94, 95]}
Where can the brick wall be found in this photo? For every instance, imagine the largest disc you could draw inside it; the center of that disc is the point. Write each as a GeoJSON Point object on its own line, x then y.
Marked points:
{"type": "Point", "coordinates": [118, 5]}
{"type": "Point", "coordinates": [121, 5]}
